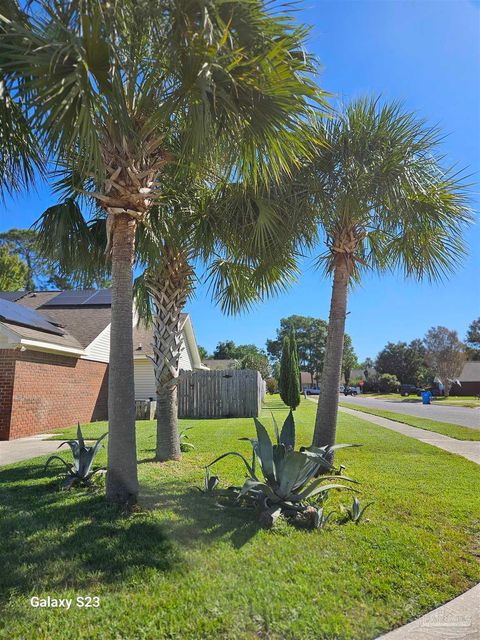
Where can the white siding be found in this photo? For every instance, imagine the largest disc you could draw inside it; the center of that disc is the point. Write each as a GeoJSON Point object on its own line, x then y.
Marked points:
{"type": "Point", "coordinates": [145, 378]}
{"type": "Point", "coordinates": [99, 349]}
{"type": "Point", "coordinates": [185, 355]}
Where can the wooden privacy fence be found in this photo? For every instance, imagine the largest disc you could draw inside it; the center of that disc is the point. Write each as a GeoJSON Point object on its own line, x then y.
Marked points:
{"type": "Point", "coordinates": [231, 393]}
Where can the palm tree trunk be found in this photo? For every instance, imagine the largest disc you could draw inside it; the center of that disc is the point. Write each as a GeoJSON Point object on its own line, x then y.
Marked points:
{"type": "Point", "coordinates": [326, 420]}
{"type": "Point", "coordinates": [169, 287]}
{"type": "Point", "coordinates": [168, 441]}
{"type": "Point", "coordinates": [122, 480]}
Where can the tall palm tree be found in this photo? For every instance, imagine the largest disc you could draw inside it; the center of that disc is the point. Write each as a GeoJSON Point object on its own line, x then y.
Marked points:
{"type": "Point", "coordinates": [383, 202]}
{"type": "Point", "coordinates": [101, 85]}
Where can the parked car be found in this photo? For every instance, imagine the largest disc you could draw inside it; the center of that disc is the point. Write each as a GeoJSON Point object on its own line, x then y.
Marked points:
{"type": "Point", "coordinates": [410, 390]}
{"type": "Point", "coordinates": [349, 391]}
{"type": "Point", "coordinates": [312, 391]}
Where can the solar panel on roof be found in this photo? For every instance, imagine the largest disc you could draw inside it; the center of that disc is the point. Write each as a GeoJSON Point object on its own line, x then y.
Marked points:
{"type": "Point", "coordinates": [17, 314]}
{"type": "Point", "coordinates": [103, 296]}
{"type": "Point", "coordinates": [76, 298]}
{"type": "Point", "coordinates": [12, 296]}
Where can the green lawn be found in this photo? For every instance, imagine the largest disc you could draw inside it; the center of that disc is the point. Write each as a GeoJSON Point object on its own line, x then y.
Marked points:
{"type": "Point", "coordinates": [447, 429]}
{"type": "Point", "coordinates": [470, 402]}
{"type": "Point", "coordinates": [183, 568]}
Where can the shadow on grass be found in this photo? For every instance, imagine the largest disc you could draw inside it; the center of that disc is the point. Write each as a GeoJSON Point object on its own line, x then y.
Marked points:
{"type": "Point", "coordinates": [200, 519]}
{"type": "Point", "coordinates": [52, 539]}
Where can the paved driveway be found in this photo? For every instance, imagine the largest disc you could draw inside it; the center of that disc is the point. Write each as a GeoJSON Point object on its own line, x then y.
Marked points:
{"type": "Point", "coordinates": [455, 415]}
{"type": "Point", "coordinates": [25, 448]}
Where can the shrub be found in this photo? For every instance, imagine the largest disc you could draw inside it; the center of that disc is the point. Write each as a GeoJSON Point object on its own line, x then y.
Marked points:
{"type": "Point", "coordinates": [185, 446]}
{"type": "Point", "coordinates": [272, 385]}
{"type": "Point", "coordinates": [388, 383]}
{"type": "Point", "coordinates": [371, 385]}
{"type": "Point", "coordinates": [289, 483]}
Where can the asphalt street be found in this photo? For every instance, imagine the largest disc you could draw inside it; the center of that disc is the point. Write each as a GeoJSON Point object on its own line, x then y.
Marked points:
{"type": "Point", "coordinates": [455, 415]}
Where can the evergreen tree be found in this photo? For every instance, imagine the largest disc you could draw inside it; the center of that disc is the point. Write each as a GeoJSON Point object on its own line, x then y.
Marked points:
{"type": "Point", "coordinates": [293, 399]}
{"type": "Point", "coordinates": [284, 370]}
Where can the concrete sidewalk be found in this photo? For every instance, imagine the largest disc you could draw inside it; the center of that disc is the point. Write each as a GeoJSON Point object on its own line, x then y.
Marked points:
{"type": "Point", "coordinates": [466, 448]}
{"type": "Point", "coordinates": [26, 448]}
{"type": "Point", "coordinates": [459, 619]}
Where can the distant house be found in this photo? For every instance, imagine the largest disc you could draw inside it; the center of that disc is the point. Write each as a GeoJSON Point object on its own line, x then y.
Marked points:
{"type": "Point", "coordinates": [220, 365]}
{"type": "Point", "coordinates": [54, 355]}
{"type": "Point", "coordinates": [469, 380]}
{"type": "Point", "coordinates": [307, 380]}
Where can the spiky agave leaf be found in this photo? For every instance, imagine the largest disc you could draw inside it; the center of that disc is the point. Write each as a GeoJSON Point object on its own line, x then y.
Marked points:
{"type": "Point", "coordinates": [265, 451]}
{"type": "Point", "coordinates": [287, 435]}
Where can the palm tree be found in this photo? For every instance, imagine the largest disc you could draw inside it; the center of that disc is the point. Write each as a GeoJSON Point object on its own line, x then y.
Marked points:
{"type": "Point", "coordinates": [383, 202]}
{"type": "Point", "coordinates": [195, 236]}
{"type": "Point", "coordinates": [102, 84]}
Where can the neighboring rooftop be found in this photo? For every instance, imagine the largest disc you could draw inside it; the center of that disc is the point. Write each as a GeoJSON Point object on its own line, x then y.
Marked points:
{"type": "Point", "coordinates": [220, 364]}
{"type": "Point", "coordinates": [470, 372]}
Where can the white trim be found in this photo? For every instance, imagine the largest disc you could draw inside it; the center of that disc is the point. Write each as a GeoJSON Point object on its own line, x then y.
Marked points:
{"type": "Point", "coordinates": [192, 343]}
{"type": "Point", "coordinates": [47, 347]}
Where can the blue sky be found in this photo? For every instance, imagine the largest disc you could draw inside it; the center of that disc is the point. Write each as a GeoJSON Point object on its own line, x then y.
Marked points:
{"type": "Point", "coordinates": [427, 54]}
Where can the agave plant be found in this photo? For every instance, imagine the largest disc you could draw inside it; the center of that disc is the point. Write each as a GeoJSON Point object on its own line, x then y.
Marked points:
{"type": "Point", "coordinates": [356, 511]}
{"type": "Point", "coordinates": [320, 519]}
{"type": "Point", "coordinates": [185, 446]}
{"type": "Point", "coordinates": [285, 482]}
{"type": "Point", "coordinates": [210, 482]}
{"type": "Point", "coordinates": [80, 471]}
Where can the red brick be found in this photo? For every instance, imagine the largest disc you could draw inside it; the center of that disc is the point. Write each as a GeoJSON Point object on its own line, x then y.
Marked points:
{"type": "Point", "coordinates": [41, 391]}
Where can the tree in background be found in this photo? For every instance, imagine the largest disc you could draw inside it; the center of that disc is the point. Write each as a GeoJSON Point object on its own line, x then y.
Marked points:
{"type": "Point", "coordinates": [472, 340]}
{"type": "Point", "coordinates": [311, 335]}
{"type": "Point", "coordinates": [43, 272]}
{"type": "Point", "coordinates": [294, 376]}
{"type": "Point", "coordinates": [13, 271]}
{"type": "Point", "coordinates": [445, 354]}
{"type": "Point", "coordinates": [257, 362]}
{"type": "Point", "coordinates": [203, 353]}
{"type": "Point", "coordinates": [284, 369]}
{"type": "Point", "coordinates": [289, 381]}
{"type": "Point", "coordinates": [349, 359]}
{"type": "Point", "coordinates": [384, 202]}
{"type": "Point", "coordinates": [226, 350]}
{"type": "Point", "coordinates": [405, 361]}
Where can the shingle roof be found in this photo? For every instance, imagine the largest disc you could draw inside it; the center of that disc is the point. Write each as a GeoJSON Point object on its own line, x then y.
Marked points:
{"type": "Point", "coordinates": [84, 323]}
{"type": "Point", "coordinates": [470, 372]}
{"type": "Point", "coordinates": [67, 340]}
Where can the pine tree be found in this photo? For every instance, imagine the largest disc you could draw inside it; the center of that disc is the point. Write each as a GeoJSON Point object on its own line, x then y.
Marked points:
{"type": "Point", "coordinates": [294, 374]}
{"type": "Point", "coordinates": [284, 370]}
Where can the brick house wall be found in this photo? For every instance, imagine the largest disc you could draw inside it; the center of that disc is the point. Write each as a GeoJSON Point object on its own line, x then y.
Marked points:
{"type": "Point", "coordinates": [7, 376]}
{"type": "Point", "coordinates": [42, 391]}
